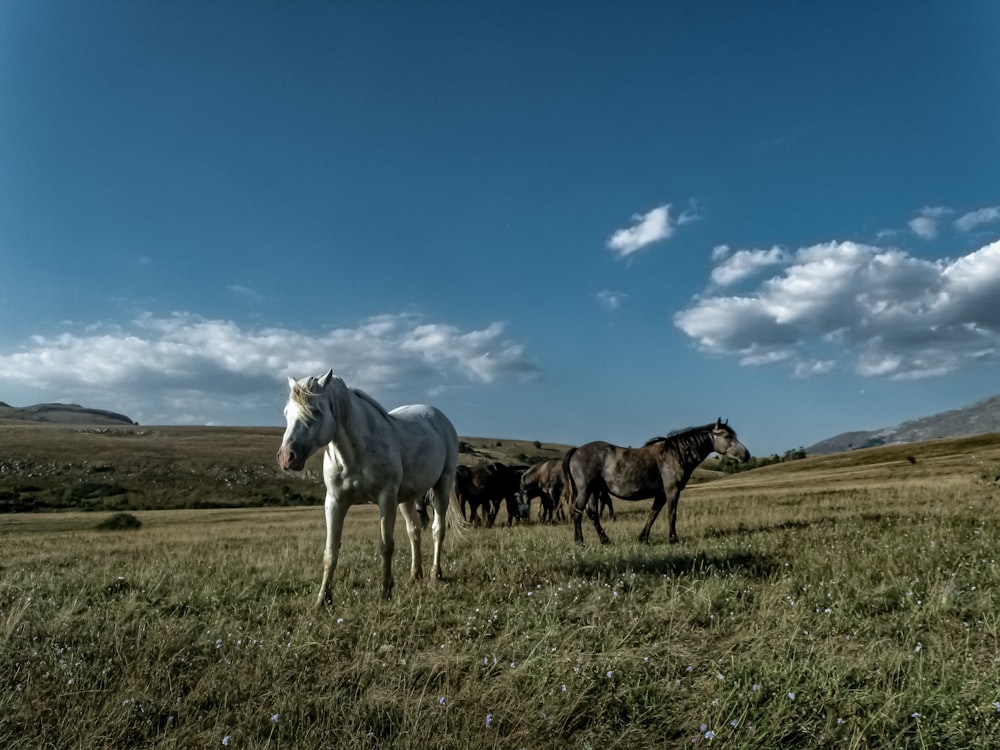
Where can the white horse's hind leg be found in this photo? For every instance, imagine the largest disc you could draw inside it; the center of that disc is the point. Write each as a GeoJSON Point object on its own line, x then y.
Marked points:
{"type": "Point", "coordinates": [334, 526]}
{"type": "Point", "coordinates": [387, 506]}
{"type": "Point", "coordinates": [413, 525]}
{"type": "Point", "coordinates": [440, 498]}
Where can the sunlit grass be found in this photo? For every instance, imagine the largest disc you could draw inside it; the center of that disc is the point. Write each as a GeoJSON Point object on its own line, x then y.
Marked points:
{"type": "Point", "coordinates": [797, 617]}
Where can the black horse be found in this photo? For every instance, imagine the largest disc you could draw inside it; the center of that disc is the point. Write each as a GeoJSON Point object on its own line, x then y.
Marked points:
{"type": "Point", "coordinates": [660, 469]}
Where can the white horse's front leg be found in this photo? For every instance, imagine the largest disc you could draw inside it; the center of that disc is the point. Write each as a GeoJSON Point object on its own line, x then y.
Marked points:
{"type": "Point", "coordinates": [387, 506]}
{"type": "Point", "coordinates": [334, 527]}
{"type": "Point", "coordinates": [413, 526]}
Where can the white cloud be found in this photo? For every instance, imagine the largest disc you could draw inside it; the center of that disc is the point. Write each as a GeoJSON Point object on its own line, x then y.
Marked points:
{"type": "Point", "coordinates": [184, 364]}
{"type": "Point", "coordinates": [245, 293]}
{"type": "Point", "coordinates": [610, 300]}
{"type": "Point", "coordinates": [925, 225]}
{"type": "Point", "coordinates": [720, 253]}
{"type": "Point", "coordinates": [880, 313]}
{"type": "Point", "coordinates": [737, 266]}
{"type": "Point", "coordinates": [969, 221]}
{"type": "Point", "coordinates": [654, 226]}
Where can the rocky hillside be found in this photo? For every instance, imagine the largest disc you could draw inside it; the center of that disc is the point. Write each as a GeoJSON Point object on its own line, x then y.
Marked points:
{"type": "Point", "coordinates": [62, 414]}
{"type": "Point", "coordinates": [979, 419]}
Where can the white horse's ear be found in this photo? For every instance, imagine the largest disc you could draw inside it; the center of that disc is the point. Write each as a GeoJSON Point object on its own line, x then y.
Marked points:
{"type": "Point", "coordinates": [291, 382]}
{"type": "Point", "coordinates": [325, 380]}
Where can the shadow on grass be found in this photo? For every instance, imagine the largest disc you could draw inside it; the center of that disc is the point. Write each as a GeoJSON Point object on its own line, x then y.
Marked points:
{"type": "Point", "coordinates": [819, 522]}
{"type": "Point", "coordinates": [676, 564]}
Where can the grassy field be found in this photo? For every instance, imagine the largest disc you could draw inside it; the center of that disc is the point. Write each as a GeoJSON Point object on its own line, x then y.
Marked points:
{"type": "Point", "coordinates": [846, 601]}
{"type": "Point", "coordinates": [63, 467]}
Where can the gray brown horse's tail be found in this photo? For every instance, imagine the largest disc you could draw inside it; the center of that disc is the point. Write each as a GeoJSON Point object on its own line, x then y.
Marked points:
{"type": "Point", "coordinates": [570, 484]}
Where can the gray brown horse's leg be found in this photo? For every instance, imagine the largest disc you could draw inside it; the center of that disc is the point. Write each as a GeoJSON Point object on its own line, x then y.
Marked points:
{"type": "Point", "coordinates": [606, 503]}
{"type": "Point", "coordinates": [658, 502]}
{"type": "Point", "coordinates": [334, 526]}
{"type": "Point", "coordinates": [594, 511]}
{"type": "Point", "coordinates": [672, 511]}
{"type": "Point", "coordinates": [576, 511]}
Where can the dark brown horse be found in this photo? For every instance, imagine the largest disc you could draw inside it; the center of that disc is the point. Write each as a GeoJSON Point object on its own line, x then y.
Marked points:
{"type": "Point", "coordinates": [486, 486]}
{"type": "Point", "coordinates": [660, 469]}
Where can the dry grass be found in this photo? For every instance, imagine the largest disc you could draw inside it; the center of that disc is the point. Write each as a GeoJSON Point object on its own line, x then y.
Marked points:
{"type": "Point", "coordinates": [848, 601]}
{"type": "Point", "coordinates": [61, 467]}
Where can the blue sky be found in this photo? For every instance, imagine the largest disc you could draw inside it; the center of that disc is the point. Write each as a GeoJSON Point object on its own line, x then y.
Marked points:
{"type": "Point", "coordinates": [556, 221]}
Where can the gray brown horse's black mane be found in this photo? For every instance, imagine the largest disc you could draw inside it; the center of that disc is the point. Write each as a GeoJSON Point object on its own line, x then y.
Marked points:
{"type": "Point", "coordinates": [688, 434]}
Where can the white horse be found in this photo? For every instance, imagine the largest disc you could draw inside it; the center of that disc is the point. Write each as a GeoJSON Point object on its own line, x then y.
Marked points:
{"type": "Point", "coordinates": [389, 458]}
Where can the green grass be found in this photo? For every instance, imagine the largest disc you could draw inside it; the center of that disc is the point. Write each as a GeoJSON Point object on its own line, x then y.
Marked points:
{"type": "Point", "coordinates": [875, 606]}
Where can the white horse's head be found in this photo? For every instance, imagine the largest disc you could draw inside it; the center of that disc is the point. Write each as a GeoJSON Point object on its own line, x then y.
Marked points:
{"type": "Point", "coordinates": [309, 418]}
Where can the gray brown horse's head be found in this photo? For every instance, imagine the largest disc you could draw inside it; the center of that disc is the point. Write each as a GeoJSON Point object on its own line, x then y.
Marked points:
{"type": "Point", "coordinates": [724, 442]}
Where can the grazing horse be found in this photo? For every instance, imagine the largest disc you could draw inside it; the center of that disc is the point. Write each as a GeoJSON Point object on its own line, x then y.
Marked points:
{"type": "Point", "coordinates": [545, 480]}
{"type": "Point", "coordinates": [371, 456]}
{"type": "Point", "coordinates": [660, 469]}
{"type": "Point", "coordinates": [486, 486]}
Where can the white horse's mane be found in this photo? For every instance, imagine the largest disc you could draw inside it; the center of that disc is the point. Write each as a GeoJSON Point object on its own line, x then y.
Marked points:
{"type": "Point", "coordinates": [299, 397]}
{"type": "Point", "coordinates": [368, 398]}
{"type": "Point", "coordinates": [303, 393]}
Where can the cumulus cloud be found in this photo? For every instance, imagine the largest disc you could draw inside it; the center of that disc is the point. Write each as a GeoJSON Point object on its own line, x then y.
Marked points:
{"type": "Point", "coordinates": [969, 221]}
{"type": "Point", "coordinates": [185, 368]}
{"type": "Point", "coordinates": [734, 267]}
{"type": "Point", "coordinates": [654, 226]}
{"type": "Point", "coordinates": [877, 312]}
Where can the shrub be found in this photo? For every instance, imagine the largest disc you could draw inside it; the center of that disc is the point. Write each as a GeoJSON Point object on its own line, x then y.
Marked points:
{"type": "Point", "coordinates": [119, 522]}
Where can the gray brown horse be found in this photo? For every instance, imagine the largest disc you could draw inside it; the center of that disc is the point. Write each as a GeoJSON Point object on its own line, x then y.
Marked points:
{"type": "Point", "coordinates": [660, 469]}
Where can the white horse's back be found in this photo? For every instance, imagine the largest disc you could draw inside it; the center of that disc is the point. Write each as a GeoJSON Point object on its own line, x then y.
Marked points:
{"type": "Point", "coordinates": [428, 445]}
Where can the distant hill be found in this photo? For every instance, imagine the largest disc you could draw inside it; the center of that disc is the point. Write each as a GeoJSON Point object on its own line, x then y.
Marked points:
{"type": "Point", "coordinates": [62, 414]}
{"type": "Point", "coordinates": [979, 419]}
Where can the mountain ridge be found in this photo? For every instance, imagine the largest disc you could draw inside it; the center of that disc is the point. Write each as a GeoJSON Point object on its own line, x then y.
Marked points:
{"type": "Point", "coordinates": [62, 414]}
{"type": "Point", "coordinates": [979, 418]}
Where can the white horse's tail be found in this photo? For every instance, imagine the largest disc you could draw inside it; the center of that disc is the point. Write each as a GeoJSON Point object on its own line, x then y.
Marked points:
{"type": "Point", "coordinates": [453, 520]}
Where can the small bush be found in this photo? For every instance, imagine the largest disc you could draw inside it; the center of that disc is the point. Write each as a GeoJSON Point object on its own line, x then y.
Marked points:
{"type": "Point", "coordinates": [119, 522]}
